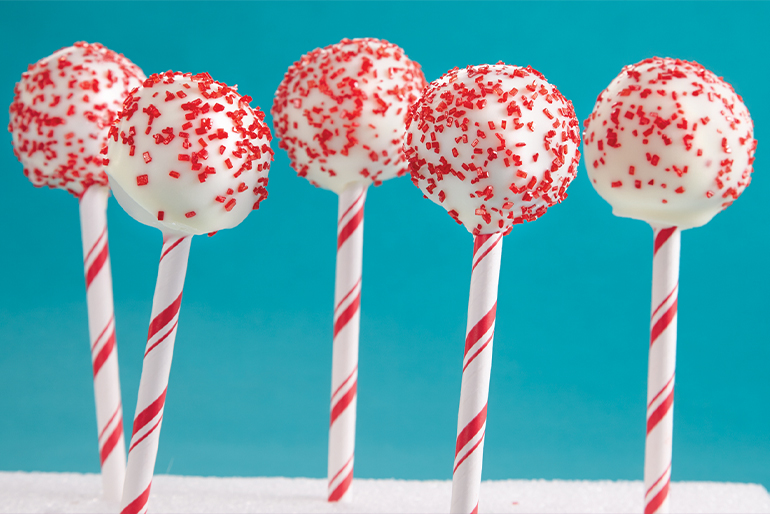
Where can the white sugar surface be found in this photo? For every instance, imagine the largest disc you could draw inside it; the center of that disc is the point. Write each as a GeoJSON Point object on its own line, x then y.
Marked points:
{"type": "Point", "coordinates": [71, 492]}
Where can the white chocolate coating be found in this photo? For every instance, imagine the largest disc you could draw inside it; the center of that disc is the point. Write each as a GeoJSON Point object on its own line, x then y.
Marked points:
{"type": "Point", "coordinates": [669, 143]}
{"type": "Point", "coordinates": [340, 111]}
{"type": "Point", "coordinates": [495, 145]}
{"type": "Point", "coordinates": [188, 155]}
{"type": "Point", "coordinates": [62, 110]}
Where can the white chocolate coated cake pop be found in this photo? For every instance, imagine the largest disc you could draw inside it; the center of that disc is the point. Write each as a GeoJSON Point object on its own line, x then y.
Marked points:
{"type": "Point", "coordinates": [495, 145]}
{"type": "Point", "coordinates": [340, 111]}
{"type": "Point", "coordinates": [188, 155]}
{"type": "Point", "coordinates": [669, 143]}
{"type": "Point", "coordinates": [61, 113]}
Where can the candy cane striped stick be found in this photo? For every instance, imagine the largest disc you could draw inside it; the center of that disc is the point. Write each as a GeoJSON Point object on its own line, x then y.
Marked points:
{"type": "Point", "coordinates": [477, 366]}
{"type": "Point", "coordinates": [347, 302]}
{"type": "Point", "coordinates": [155, 371]}
{"type": "Point", "coordinates": [101, 328]}
{"type": "Point", "coordinates": [660, 377]}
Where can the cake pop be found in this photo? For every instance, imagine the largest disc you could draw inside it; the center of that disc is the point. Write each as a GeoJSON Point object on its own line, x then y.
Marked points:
{"type": "Point", "coordinates": [59, 120]}
{"type": "Point", "coordinates": [495, 145]}
{"type": "Point", "coordinates": [339, 112]}
{"type": "Point", "coordinates": [672, 144]}
{"type": "Point", "coordinates": [189, 156]}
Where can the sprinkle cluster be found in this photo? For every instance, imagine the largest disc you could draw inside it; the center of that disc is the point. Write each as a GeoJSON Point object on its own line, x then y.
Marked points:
{"type": "Point", "coordinates": [340, 111]}
{"type": "Point", "coordinates": [495, 145]}
{"type": "Point", "coordinates": [61, 112]}
{"type": "Point", "coordinates": [191, 152]}
{"type": "Point", "coordinates": [669, 142]}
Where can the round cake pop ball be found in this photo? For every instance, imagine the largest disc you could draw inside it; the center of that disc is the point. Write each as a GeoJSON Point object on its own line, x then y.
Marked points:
{"type": "Point", "coordinates": [495, 145]}
{"type": "Point", "coordinates": [340, 112]}
{"type": "Point", "coordinates": [188, 155]}
{"type": "Point", "coordinates": [62, 110]}
{"type": "Point", "coordinates": [669, 143]}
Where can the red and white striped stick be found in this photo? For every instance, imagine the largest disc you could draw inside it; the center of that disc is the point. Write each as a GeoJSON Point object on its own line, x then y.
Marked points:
{"type": "Point", "coordinates": [477, 367]}
{"type": "Point", "coordinates": [662, 364]}
{"type": "Point", "coordinates": [347, 302]}
{"type": "Point", "coordinates": [101, 328]}
{"type": "Point", "coordinates": [155, 371]}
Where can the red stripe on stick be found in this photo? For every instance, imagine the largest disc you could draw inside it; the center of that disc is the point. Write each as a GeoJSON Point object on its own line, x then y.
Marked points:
{"type": "Point", "coordinates": [347, 314]}
{"type": "Point", "coordinates": [470, 430]}
{"type": "Point", "coordinates": [149, 413]}
{"type": "Point", "coordinates": [104, 353]}
{"type": "Point", "coordinates": [146, 434]}
{"type": "Point", "coordinates": [664, 301]}
{"type": "Point", "coordinates": [341, 405]}
{"type": "Point", "coordinates": [341, 489]}
{"type": "Point", "coordinates": [657, 481]}
{"type": "Point", "coordinates": [93, 247]}
{"type": "Point", "coordinates": [174, 245]}
{"type": "Point", "coordinates": [661, 237]}
{"type": "Point", "coordinates": [352, 290]}
{"type": "Point", "coordinates": [341, 470]}
{"type": "Point", "coordinates": [107, 425]}
{"type": "Point", "coordinates": [661, 391]}
{"type": "Point", "coordinates": [658, 500]}
{"type": "Point", "coordinates": [473, 449]}
{"type": "Point", "coordinates": [481, 328]}
{"type": "Point", "coordinates": [491, 247]}
{"type": "Point", "coordinates": [165, 317]}
{"type": "Point", "coordinates": [111, 442]}
{"type": "Point", "coordinates": [660, 412]}
{"type": "Point", "coordinates": [475, 509]}
{"type": "Point", "coordinates": [136, 506]}
{"type": "Point", "coordinates": [663, 322]}
{"type": "Point", "coordinates": [96, 341]}
{"type": "Point", "coordinates": [478, 352]}
{"type": "Point", "coordinates": [97, 265]}
{"type": "Point", "coordinates": [352, 205]}
{"type": "Point", "coordinates": [345, 381]}
{"type": "Point", "coordinates": [479, 241]}
{"type": "Point", "coordinates": [151, 348]}
{"type": "Point", "coordinates": [350, 227]}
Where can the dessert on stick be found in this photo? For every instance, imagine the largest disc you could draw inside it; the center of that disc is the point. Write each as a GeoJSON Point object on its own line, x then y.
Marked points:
{"type": "Point", "coordinates": [340, 112]}
{"type": "Point", "coordinates": [59, 120]}
{"type": "Point", "coordinates": [189, 156]}
{"type": "Point", "coordinates": [495, 145]}
{"type": "Point", "coordinates": [672, 144]}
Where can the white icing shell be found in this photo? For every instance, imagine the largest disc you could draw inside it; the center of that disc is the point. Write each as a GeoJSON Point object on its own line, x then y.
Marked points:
{"type": "Point", "coordinates": [188, 155]}
{"type": "Point", "coordinates": [495, 145]}
{"type": "Point", "coordinates": [340, 111]}
{"type": "Point", "coordinates": [669, 143]}
{"type": "Point", "coordinates": [61, 113]}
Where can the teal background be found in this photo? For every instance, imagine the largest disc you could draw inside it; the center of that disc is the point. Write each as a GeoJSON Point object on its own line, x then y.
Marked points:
{"type": "Point", "coordinates": [250, 383]}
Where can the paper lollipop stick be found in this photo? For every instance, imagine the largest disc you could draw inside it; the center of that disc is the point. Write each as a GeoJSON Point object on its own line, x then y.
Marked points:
{"type": "Point", "coordinates": [477, 368]}
{"type": "Point", "coordinates": [495, 145]}
{"type": "Point", "coordinates": [201, 167]}
{"type": "Point", "coordinates": [59, 120]}
{"type": "Point", "coordinates": [662, 363]}
{"type": "Point", "coordinates": [340, 112]}
{"type": "Point", "coordinates": [101, 327]}
{"type": "Point", "coordinates": [347, 302]}
{"type": "Point", "coordinates": [672, 144]}
{"type": "Point", "coordinates": [156, 368]}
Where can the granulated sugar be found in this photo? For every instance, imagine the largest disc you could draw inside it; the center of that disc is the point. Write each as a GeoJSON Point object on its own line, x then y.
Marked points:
{"type": "Point", "coordinates": [76, 493]}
